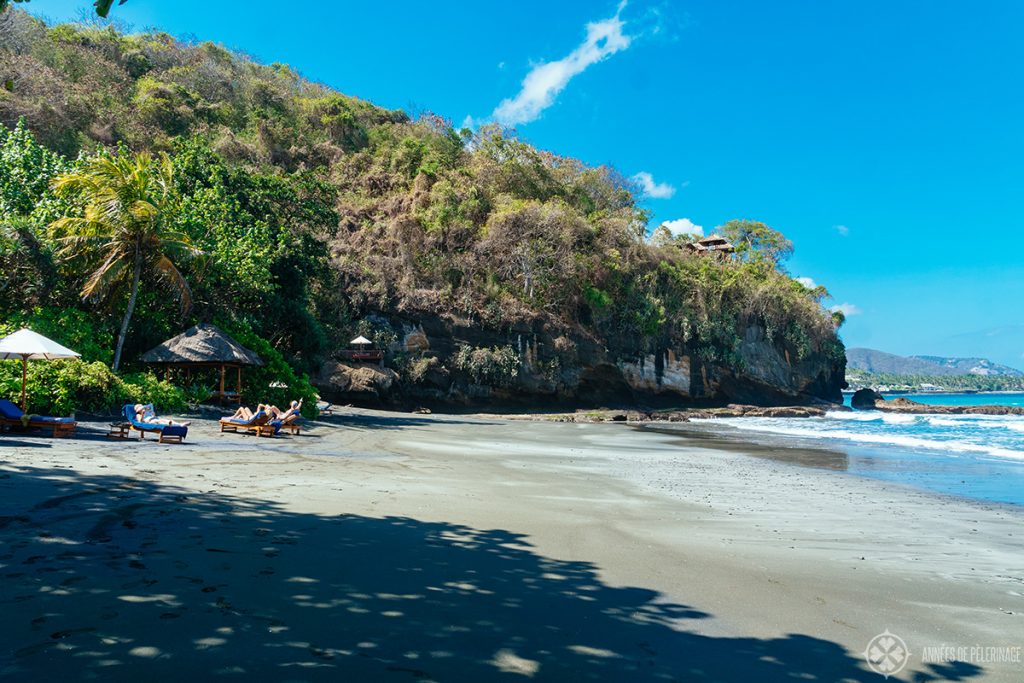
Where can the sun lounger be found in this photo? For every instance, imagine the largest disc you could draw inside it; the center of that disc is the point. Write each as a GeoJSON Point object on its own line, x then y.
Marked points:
{"type": "Point", "coordinates": [291, 423]}
{"type": "Point", "coordinates": [326, 409]}
{"type": "Point", "coordinates": [11, 416]}
{"type": "Point", "coordinates": [165, 433]}
{"type": "Point", "coordinates": [260, 423]}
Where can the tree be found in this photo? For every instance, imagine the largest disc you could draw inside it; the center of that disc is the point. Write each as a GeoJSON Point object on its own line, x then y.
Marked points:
{"type": "Point", "coordinates": [102, 6]}
{"type": "Point", "coordinates": [755, 241]}
{"type": "Point", "coordinates": [125, 228]}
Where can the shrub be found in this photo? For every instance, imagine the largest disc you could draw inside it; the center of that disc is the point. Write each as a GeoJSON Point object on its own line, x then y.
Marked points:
{"type": "Point", "coordinates": [497, 366]}
{"type": "Point", "coordinates": [416, 370]}
{"type": "Point", "coordinates": [65, 386]}
{"type": "Point", "coordinates": [263, 384]}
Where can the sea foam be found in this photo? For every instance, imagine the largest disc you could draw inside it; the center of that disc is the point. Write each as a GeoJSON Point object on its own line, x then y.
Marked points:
{"type": "Point", "coordinates": [953, 435]}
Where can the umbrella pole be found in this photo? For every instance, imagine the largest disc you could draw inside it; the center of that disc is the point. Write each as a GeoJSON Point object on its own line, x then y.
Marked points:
{"type": "Point", "coordinates": [24, 379]}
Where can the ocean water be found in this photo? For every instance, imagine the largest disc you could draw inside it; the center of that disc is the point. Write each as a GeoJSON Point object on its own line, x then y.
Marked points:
{"type": "Point", "coordinates": [990, 399]}
{"type": "Point", "coordinates": [976, 456]}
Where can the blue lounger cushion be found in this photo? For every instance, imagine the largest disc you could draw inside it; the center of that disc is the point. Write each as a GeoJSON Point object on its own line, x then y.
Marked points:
{"type": "Point", "coordinates": [9, 411]}
{"type": "Point", "coordinates": [175, 430]}
{"type": "Point", "coordinates": [167, 430]}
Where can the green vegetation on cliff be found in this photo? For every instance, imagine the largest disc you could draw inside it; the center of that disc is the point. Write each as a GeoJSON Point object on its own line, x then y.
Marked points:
{"type": "Point", "coordinates": [305, 216]}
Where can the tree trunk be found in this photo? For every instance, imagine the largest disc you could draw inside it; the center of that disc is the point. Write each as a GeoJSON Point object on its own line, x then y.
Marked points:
{"type": "Point", "coordinates": [136, 275]}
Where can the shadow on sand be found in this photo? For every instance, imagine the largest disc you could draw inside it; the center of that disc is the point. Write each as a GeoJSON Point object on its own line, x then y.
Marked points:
{"type": "Point", "coordinates": [113, 578]}
{"type": "Point", "coordinates": [391, 421]}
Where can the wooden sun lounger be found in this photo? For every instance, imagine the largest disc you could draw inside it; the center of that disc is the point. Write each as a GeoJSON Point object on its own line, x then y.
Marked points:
{"type": "Point", "coordinates": [60, 427]}
{"type": "Point", "coordinates": [260, 424]}
{"type": "Point", "coordinates": [291, 423]}
{"type": "Point", "coordinates": [165, 433]}
{"type": "Point", "coordinates": [11, 417]}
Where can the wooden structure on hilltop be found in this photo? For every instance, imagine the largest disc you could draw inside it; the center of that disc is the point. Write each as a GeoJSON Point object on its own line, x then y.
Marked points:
{"type": "Point", "coordinates": [712, 244]}
{"type": "Point", "coordinates": [205, 346]}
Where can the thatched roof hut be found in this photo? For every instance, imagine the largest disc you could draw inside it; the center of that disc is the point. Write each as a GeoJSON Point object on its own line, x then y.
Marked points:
{"type": "Point", "coordinates": [205, 346]}
{"type": "Point", "coordinates": [202, 345]}
{"type": "Point", "coordinates": [712, 244]}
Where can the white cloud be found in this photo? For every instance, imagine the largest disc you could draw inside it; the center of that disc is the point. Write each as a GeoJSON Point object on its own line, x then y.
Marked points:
{"type": "Point", "coordinates": [651, 189]}
{"type": "Point", "coordinates": [847, 309]}
{"type": "Point", "coordinates": [806, 282]}
{"type": "Point", "coordinates": [547, 79]}
{"type": "Point", "coordinates": [842, 230]}
{"type": "Point", "coordinates": [683, 226]}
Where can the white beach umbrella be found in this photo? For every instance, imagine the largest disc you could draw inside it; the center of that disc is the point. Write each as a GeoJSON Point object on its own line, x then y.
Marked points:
{"type": "Point", "coordinates": [360, 341]}
{"type": "Point", "coordinates": [28, 345]}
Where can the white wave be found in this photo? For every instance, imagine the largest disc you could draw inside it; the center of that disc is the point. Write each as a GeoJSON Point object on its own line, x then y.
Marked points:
{"type": "Point", "coordinates": [872, 416]}
{"type": "Point", "coordinates": [1012, 423]}
{"type": "Point", "coordinates": [893, 439]}
{"type": "Point", "coordinates": [897, 419]}
{"type": "Point", "coordinates": [944, 422]}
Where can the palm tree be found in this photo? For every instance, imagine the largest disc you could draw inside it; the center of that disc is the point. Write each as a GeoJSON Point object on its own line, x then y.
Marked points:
{"type": "Point", "coordinates": [125, 230]}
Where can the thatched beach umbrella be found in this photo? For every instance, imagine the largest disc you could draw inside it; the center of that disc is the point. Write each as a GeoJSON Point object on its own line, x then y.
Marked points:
{"type": "Point", "coordinates": [204, 346]}
{"type": "Point", "coordinates": [28, 345]}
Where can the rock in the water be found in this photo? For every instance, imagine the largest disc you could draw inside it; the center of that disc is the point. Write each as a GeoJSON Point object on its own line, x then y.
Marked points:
{"type": "Point", "coordinates": [865, 399]}
{"type": "Point", "coordinates": [906, 406]}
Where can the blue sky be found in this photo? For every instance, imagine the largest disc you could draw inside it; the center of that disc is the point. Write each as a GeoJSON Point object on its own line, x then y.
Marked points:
{"type": "Point", "coordinates": [886, 139]}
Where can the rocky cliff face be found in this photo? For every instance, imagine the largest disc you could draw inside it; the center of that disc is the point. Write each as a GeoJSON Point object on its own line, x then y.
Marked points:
{"type": "Point", "coordinates": [423, 365]}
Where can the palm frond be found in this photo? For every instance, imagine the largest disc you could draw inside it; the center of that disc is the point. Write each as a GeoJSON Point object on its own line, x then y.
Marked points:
{"type": "Point", "coordinates": [101, 280]}
{"type": "Point", "coordinates": [181, 289]}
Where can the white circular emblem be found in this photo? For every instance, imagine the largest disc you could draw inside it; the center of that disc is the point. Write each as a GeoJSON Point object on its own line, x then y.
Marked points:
{"type": "Point", "coordinates": [887, 654]}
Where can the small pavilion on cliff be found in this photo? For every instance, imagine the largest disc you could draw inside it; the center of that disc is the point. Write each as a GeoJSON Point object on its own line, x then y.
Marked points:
{"type": "Point", "coordinates": [712, 244]}
{"type": "Point", "coordinates": [205, 346]}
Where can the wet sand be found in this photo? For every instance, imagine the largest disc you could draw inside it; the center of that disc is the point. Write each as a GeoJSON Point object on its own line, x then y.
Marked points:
{"type": "Point", "coordinates": [379, 546]}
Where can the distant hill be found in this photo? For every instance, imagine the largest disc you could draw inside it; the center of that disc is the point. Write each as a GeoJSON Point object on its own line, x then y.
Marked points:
{"type": "Point", "coordinates": [971, 366]}
{"type": "Point", "coordinates": [871, 360]}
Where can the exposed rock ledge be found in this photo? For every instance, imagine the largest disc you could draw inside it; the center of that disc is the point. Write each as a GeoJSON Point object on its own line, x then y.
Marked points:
{"type": "Point", "coordinates": [865, 399]}
{"type": "Point", "coordinates": [732, 410]}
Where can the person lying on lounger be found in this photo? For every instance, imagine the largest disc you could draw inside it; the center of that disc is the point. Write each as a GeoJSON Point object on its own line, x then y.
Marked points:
{"type": "Point", "coordinates": [242, 413]}
{"type": "Point", "coordinates": [278, 414]}
{"type": "Point", "coordinates": [143, 414]}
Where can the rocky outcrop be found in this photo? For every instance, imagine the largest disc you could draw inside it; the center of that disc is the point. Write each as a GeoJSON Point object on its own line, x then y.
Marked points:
{"type": "Point", "coordinates": [768, 373]}
{"type": "Point", "coordinates": [733, 410]}
{"type": "Point", "coordinates": [672, 374]}
{"type": "Point", "coordinates": [906, 406]}
{"type": "Point", "coordinates": [357, 382]}
{"type": "Point", "coordinates": [557, 367]}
